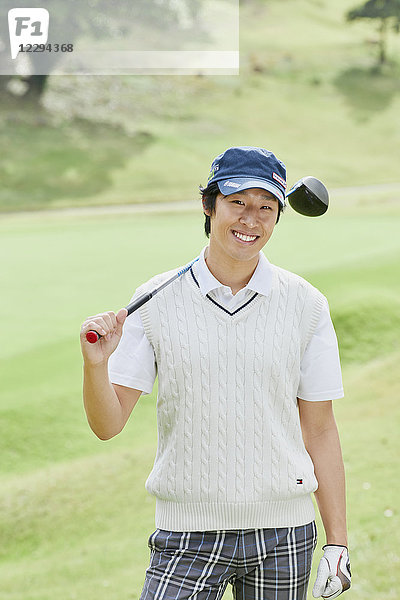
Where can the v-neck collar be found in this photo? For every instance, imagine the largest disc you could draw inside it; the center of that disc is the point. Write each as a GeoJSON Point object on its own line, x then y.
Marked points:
{"type": "Point", "coordinates": [240, 308]}
{"type": "Point", "coordinates": [260, 282]}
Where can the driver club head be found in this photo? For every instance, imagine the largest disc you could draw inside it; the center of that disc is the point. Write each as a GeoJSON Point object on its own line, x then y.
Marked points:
{"type": "Point", "coordinates": [309, 197]}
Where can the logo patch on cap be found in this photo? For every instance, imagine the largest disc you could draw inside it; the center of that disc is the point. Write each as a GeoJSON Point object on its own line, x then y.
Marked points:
{"type": "Point", "coordinates": [213, 171]}
{"type": "Point", "coordinates": [279, 179]}
{"type": "Point", "coordinates": [231, 184]}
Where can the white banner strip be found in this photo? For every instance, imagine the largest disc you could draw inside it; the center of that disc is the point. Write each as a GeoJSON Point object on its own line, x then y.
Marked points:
{"type": "Point", "coordinates": [159, 59]}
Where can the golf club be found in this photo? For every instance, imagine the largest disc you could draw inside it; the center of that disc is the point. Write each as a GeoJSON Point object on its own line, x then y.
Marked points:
{"type": "Point", "coordinates": [92, 336]}
{"type": "Point", "coordinates": [309, 197]}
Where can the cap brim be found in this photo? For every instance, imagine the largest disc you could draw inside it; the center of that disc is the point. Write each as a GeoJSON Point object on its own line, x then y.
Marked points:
{"type": "Point", "coordinates": [234, 185]}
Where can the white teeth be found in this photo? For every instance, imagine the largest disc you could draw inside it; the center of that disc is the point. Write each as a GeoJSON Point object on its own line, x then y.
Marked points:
{"type": "Point", "coordinates": [245, 238]}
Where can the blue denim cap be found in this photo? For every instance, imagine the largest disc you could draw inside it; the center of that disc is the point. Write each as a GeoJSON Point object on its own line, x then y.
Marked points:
{"type": "Point", "coordinates": [244, 167]}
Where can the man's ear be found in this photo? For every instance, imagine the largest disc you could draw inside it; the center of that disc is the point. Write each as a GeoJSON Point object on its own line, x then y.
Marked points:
{"type": "Point", "coordinates": [206, 211]}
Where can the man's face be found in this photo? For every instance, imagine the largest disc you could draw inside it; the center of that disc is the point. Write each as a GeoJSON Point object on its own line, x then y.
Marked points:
{"type": "Point", "coordinates": [242, 223]}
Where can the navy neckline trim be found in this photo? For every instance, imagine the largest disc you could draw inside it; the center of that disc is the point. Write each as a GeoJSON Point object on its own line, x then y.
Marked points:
{"type": "Point", "coordinates": [219, 305]}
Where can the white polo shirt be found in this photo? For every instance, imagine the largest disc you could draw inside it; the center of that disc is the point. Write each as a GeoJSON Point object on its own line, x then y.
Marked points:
{"type": "Point", "coordinates": [133, 362]}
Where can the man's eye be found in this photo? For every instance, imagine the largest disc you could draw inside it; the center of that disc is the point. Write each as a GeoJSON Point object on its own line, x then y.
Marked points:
{"type": "Point", "coordinates": [269, 207]}
{"type": "Point", "coordinates": [237, 201]}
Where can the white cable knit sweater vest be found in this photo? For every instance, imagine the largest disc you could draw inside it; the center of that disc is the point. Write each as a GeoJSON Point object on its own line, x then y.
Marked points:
{"type": "Point", "coordinates": [230, 450]}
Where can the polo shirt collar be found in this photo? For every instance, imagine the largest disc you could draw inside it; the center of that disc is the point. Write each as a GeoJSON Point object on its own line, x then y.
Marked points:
{"type": "Point", "coordinates": [260, 281]}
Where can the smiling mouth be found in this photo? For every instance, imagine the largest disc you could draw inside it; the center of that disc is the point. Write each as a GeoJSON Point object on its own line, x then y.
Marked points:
{"type": "Point", "coordinates": [248, 239]}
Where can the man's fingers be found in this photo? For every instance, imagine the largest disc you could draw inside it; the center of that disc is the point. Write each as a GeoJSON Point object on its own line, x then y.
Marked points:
{"type": "Point", "coordinates": [103, 323]}
{"type": "Point", "coordinates": [344, 572]}
{"type": "Point", "coordinates": [333, 588]}
{"type": "Point", "coordinates": [120, 320]}
{"type": "Point", "coordinates": [327, 588]}
{"type": "Point", "coordinates": [121, 315]}
{"type": "Point", "coordinates": [94, 325]}
{"type": "Point", "coordinates": [322, 578]}
{"type": "Point", "coordinates": [110, 319]}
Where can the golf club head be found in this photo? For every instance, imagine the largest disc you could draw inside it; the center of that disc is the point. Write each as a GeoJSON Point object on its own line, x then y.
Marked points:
{"type": "Point", "coordinates": [309, 197]}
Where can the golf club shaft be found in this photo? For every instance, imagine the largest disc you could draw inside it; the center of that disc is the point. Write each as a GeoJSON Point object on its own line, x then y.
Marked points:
{"type": "Point", "coordinates": [92, 336]}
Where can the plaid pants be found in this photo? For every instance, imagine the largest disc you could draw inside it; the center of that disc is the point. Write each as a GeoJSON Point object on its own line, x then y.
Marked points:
{"type": "Point", "coordinates": [260, 564]}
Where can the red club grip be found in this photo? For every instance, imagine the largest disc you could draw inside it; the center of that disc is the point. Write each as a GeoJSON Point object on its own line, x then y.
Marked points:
{"type": "Point", "coordinates": [92, 336]}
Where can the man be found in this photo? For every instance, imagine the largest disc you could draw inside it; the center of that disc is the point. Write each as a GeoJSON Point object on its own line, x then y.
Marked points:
{"type": "Point", "coordinates": [248, 366]}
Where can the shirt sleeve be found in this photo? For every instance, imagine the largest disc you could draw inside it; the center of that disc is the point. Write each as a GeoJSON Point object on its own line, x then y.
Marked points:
{"type": "Point", "coordinates": [320, 372]}
{"type": "Point", "coordinates": [133, 362]}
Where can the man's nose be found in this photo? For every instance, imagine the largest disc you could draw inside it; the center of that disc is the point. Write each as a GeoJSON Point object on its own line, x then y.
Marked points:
{"type": "Point", "coordinates": [249, 217]}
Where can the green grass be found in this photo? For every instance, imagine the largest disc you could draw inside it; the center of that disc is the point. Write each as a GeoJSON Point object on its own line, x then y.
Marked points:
{"type": "Point", "coordinates": [308, 89]}
{"type": "Point", "coordinates": [74, 514]}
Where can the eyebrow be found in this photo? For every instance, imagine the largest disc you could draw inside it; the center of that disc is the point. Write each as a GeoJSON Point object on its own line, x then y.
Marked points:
{"type": "Point", "coordinates": [263, 197]}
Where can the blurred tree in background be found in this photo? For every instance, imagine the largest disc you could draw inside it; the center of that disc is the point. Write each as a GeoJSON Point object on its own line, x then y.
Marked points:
{"type": "Point", "coordinates": [387, 12]}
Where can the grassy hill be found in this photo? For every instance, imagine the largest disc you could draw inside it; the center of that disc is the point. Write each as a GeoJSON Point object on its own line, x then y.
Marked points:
{"type": "Point", "coordinates": [308, 89]}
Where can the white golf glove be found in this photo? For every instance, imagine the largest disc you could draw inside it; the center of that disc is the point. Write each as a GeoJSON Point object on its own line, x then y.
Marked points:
{"type": "Point", "coordinates": [334, 575]}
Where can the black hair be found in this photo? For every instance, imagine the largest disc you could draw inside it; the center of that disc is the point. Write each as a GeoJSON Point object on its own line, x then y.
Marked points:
{"type": "Point", "coordinates": [209, 196]}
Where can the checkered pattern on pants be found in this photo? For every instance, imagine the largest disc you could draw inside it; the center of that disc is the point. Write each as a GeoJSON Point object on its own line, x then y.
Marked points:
{"type": "Point", "coordinates": [260, 564]}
